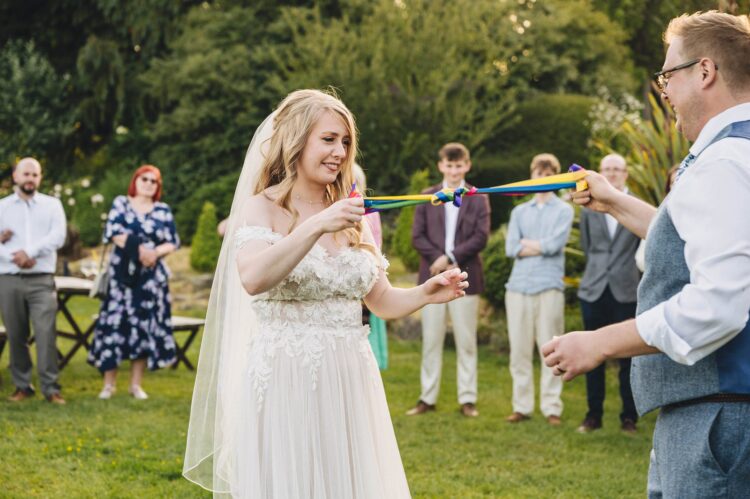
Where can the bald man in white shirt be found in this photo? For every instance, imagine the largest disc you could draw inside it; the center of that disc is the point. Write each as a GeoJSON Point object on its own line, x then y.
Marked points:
{"type": "Point", "coordinates": [33, 226]}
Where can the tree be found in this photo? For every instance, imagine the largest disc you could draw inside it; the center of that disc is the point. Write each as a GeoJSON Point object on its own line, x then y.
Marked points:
{"type": "Point", "coordinates": [35, 119]}
{"type": "Point", "coordinates": [414, 83]}
{"type": "Point", "coordinates": [207, 91]}
{"type": "Point", "coordinates": [644, 21]}
{"type": "Point", "coordinates": [206, 244]}
{"type": "Point", "coordinates": [401, 239]}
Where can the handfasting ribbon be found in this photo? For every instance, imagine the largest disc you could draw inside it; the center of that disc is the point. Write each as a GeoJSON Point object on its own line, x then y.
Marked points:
{"type": "Point", "coordinates": [573, 179]}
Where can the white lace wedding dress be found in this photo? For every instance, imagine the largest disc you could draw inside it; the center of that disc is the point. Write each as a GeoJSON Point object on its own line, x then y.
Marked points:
{"type": "Point", "coordinates": [317, 425]}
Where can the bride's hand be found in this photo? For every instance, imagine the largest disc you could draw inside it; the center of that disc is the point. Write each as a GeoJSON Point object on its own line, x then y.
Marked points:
{"type": "Point", "coordinates": [341, 215]}
{"type": "Point", "coordinates": [446, 286]}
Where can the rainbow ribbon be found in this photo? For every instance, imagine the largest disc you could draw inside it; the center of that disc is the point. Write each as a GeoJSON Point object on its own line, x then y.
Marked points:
{"type": "Point", "coordinates": [573, 179]}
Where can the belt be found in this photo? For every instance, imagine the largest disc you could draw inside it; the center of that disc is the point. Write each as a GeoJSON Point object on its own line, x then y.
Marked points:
{"type": "Point", "coordinates": [717, 397]}
{"type": "Point", "coordinates": [33, 274]}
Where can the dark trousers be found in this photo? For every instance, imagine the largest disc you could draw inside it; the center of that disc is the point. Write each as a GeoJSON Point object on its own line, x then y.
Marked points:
{"type": "Point", "coordinates": [603, 312]}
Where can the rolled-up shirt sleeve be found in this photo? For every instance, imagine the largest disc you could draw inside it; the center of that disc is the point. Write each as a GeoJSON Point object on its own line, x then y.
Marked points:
{"type": "Point", "coordinates": [513, 236]}
{"type": "Point", "coordinates": [708, 209]}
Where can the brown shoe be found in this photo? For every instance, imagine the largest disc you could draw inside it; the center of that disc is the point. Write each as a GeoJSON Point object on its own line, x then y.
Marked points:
{"type": "Point", "coordinates": [628, 426]}
{"type": "Point", "coordinates": [589, 425]}
{"type": "Point", "coordinates": [554, 420]}
{"type": "Point", "coordinates": [517, 417]}
{"type": "Point", "coordinates": [56, 399]}
{"type": "Point", "coordinates": [469, 410]}
{"type": "Point", "coordinates": [420, 408]}
{"type": "Point", "coordinates": [21, 395]}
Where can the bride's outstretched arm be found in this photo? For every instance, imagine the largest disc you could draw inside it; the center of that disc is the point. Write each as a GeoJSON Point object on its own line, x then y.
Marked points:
{"type": "Point", "coordinates": [388, 302]}
{"type": "Point", "coordinates": [263, 266]}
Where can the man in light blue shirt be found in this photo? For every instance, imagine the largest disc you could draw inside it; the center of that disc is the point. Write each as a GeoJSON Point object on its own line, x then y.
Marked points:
{"type": "Point", "coordinates": [534, 302]}
{"type": "Point", "coordinates": [33, 227]}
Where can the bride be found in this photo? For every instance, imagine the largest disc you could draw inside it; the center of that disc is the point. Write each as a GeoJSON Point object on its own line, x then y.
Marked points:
{"type": "Point", "coordinates": [288, 400]}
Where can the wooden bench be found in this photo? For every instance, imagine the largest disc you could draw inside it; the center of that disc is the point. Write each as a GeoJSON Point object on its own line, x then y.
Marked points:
{"type": "Point", "coordinates": [185, 324]}
{"type": "Point", "coordinates": [179, 324]}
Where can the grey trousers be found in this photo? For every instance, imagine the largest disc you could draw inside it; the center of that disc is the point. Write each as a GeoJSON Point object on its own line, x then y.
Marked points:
{"type": "Point", "coordinates": [23, 298]}
{"type": "Point", "coordinates": [701, 451]}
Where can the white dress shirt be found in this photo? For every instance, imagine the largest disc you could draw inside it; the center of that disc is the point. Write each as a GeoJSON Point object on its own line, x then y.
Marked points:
{"type": "Point", "coordinates": [451, 221]}
{"type": "Point", "coordinates": [38, 227]}
{"type": "Point", "coordinates": [612, 221]}
{"type": "Point", "coordinates": [611, 225]}
{"type": "Point", "coordinates": [709, 207]}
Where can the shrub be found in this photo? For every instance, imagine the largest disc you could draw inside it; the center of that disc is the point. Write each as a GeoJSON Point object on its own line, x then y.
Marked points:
{"type": "Point", "coordinates": [555, 123]}
{"type": "Point", "coordinates": [219, 193]}
{"type": "Point", "coordinates": [401, 241]}
{"type": "Point", "coordinates": [88, 220]}
{"type": "Point", "coordinates": [497, 268]}
{"type": "Point", "coordinates": [206, 243]}
{"type": "Point", "coordinates": [652, 147]}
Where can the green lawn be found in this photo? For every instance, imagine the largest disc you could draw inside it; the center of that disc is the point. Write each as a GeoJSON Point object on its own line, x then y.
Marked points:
{"type": "Point", "coordinates": [126, 448]}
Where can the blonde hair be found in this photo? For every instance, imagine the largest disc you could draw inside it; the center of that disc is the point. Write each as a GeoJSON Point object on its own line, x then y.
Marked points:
{"type": "Point", "coordinates": [720, 37]}
{"type": "Point", "coordinates": [545, 161]}
{"type": "Point", "coordinates": [359, 177]}
{"type": "Point", "coordinates": [295, 118]}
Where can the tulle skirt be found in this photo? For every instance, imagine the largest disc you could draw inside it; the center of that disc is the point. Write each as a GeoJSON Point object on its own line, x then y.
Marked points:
{"type": "Point", "coordinates": [317, 424]}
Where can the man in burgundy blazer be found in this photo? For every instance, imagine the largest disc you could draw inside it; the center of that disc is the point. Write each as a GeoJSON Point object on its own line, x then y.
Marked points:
{"type": "Point", "coordinates": [448, 236]}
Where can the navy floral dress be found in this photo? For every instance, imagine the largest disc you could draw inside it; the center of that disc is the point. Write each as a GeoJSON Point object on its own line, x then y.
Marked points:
{"type": "Point", "coordinates": [135, 320]}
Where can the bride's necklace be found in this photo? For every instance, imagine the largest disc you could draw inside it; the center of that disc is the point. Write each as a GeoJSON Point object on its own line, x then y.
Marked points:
{"type": "Point", "coordinates": [311, 203]}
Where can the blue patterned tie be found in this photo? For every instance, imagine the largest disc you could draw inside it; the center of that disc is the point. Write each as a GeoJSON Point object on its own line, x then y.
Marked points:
{"type": "Point", "coordinates": [689, 160]}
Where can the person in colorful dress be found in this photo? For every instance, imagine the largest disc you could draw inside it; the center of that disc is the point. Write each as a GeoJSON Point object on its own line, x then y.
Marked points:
{"type": "Point", "coordinates": [135, 319]}
{"type": "Point", "coordinates": [378, 332]}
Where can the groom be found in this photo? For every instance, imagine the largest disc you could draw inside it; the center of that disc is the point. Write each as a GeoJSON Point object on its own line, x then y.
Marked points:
{"type": "Point", "coordinates": [691, 337]}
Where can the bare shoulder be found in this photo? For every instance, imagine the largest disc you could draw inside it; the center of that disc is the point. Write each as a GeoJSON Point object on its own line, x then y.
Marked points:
{"type": "Point", "coordinates": [259, 209]}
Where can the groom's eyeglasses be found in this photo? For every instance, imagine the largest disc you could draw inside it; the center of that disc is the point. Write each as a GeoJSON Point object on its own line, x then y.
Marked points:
{"type": "Point", "coordinates": [663, 76]}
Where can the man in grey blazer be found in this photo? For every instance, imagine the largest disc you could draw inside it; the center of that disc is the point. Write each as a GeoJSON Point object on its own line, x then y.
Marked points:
{"type": "Point", "coordinates": [608, 292]}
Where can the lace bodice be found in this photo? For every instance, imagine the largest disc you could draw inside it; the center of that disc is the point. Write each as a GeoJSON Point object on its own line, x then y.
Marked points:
{"type": "Point", "coordinates": [323, 289]}
{"type": "Point", "coordinates": [316, 307]}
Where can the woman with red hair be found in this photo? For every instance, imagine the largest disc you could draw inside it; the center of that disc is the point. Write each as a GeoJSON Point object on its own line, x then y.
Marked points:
{"type": "Point", "coordinates": [135, 319]}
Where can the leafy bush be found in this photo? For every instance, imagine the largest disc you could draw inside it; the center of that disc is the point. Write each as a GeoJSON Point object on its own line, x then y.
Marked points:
{"type": "Point", "coordinates": [554, 123]}
{"type": "Point", "coordinates": [401, 240]}
{"type": "Point", "coordinates": [206, 244]}
{"type": "Point", "coordinates": [497, 267]}
{"type": "Point", "coordinates": [35, 115]}
{"type": "Point", "coordinates": [85, 209]}
{"type": "Point", "coordinates": [652, 148]}
{"type": "Point", "coordinates": [461, 85]}
{"type": "Point", "coordinates": [219, 193]}
{"type": "Point", "coordinates": [89, 221]}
